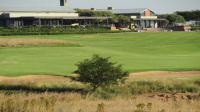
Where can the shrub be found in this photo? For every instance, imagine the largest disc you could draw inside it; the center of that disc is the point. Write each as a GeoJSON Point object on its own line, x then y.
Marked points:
{"type": "Point", "coordinates": [99, 71]}
{"type": "Point", "coordinates": [180, 19]}
{"type": "Point", "coordinates": [194, 28]}
{"type": "Point", "coordinates": [48, 30]}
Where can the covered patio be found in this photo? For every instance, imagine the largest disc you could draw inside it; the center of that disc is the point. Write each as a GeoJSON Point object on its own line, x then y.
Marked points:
{"type": "Point", "coordinates": [57, 21]}
{"type": "Point", "coordinates": [148, 23]}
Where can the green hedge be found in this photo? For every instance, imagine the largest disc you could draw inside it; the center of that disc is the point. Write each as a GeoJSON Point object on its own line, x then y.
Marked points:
{"type": "Point", "coordinates": [47, 30]}
{"type": "Point", "coordinates": [194, 28]}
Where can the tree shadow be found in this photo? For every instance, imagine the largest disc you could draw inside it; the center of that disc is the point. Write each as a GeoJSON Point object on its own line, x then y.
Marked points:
{"type": "Point", "coordinates": [24, 88]}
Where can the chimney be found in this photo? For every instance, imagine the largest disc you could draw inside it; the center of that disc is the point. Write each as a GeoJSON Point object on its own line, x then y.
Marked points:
{"type": "Point", "coordinates": [109, 8]}
{"type": "Point", "coordinates": [63, 2]}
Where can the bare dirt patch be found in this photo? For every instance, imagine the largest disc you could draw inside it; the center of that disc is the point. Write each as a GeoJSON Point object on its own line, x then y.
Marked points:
{"type": "Point", "coordinates": [21, 42]}
{"type": "Point", "coordinates": [165, 74]}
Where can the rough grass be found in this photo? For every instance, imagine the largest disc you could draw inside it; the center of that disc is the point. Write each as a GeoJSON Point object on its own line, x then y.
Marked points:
{"type": "Point", "coordinates": [28, 42]}
{"type": "Point", "coordinates": [44, 93]}
{"type": "Point", "coordinates": [131, 86]}
{"type": "Point", "coordinates": [74, 102]}
{"type": "Point", "coordinates": [41, 83]}
{"type": "Point", "coordinates": [175, 51]}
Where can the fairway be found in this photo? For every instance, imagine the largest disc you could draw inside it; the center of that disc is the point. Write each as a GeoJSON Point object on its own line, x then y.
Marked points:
{"type": "Point", "coordinates": [175, 51]}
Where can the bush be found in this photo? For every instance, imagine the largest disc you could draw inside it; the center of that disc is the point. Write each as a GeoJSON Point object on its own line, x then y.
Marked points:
{"type": "Point", "coordinates": [142, 86]}
{"type": "Point", "coordinates": [99, 71]}
{"type": "Point", "coordinates": [194, 28]}
{"type": "Point", "coordinates": [48, 30]}
{"type": "Point", "coordinates": [180, 19]}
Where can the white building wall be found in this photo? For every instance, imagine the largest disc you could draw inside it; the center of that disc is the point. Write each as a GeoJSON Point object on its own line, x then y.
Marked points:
{"type": "Point", "coordinates": [156, 24]}
{"type": "Point", "coordinates": [42, 14]}
{"type": "Point", "coordinates": [133, 17]}
{"type": "Point", "coordinates": [152, 24]}
{"type": "Point", "coordinates": [148, 17]}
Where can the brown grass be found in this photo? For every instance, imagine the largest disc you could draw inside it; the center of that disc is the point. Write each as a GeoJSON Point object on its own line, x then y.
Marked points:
{"type": "Point", "coordinates": [151, 74]}
{"type": "Point", "coordinates": [21, 42]}
{"type": "Point", "coordinates": [74, 102]}
{"type": "Point", "coordinates": [40, 81]}
{"type": "Point", "coordinates": [165, 74]}
{"type": "Point", "coordinates": [18, 101]}
{"type": "Point", "coordinates": [144, 82]}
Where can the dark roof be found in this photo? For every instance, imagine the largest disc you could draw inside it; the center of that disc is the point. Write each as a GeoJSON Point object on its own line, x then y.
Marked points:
{"type": "Point", "coordinates": [125, 11]}
{"type": "Point", "coordinates": [20, 9]}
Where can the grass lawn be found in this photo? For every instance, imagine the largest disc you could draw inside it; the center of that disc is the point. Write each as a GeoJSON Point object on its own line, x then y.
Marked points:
{"type": "Point", "coordinates": [177, 51]}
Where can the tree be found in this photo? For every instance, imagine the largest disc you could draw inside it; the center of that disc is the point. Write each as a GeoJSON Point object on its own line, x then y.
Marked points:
{"type": "Point", "coordinates": [93, 13]}
{"type": "Point", "coordinates": [180, 19]}
{"type": "Point", "coordinates": [99, 71]}
{"type": "Point", "coordinates": [173, 18]}
{"type": "Point", "coordinates": [190, 15]}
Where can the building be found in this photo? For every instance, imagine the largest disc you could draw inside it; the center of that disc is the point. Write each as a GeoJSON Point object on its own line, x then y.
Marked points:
{"type": "Point", "coordinates": [141, 18]}
{"type": "Point", "coordinates": [35, 18]}
{"type": "Point", "coordinates": [60, 16]}
{"type": "Point", "coordinates": [64, 17]}
{"type": "Point", "coordinates": [63, 2]}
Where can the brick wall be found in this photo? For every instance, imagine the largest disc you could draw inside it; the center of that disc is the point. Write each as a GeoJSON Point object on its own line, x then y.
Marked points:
{"type": "Point", "coordinates": [147, 12]}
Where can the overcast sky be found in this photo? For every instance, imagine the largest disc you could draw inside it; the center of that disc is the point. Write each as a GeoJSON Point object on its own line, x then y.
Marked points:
{"type": "Point", "coordinates": [159, 6]}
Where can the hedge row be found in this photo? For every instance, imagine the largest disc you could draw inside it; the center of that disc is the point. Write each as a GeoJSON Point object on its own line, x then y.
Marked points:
{"type": "Point", "coordinates": [194, 28]}
{"type": "Point", "coordinates": [34, 30]}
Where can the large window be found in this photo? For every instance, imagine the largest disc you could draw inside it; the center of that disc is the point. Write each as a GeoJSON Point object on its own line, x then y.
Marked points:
{"type": "Point", "coordinates": [63, 2]}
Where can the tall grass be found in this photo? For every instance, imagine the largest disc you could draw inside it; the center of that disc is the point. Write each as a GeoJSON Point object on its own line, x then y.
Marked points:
{"type": "Point", "coordinates": [139, 86]}
{"type": "Point", "coordinates": [74, 102]}
{"type": "Point", "coordinates": [42, 84]}
{"type": "Point", "coordinates": [59, 94]}
{"type": "Point", "coordinates": [128, 88]}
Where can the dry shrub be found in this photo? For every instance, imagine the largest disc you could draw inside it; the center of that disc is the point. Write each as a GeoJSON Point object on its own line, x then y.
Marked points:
{"type": "Point", "coordinates": [25, 42]}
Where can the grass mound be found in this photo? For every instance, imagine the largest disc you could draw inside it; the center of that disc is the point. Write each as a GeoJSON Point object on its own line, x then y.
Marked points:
{"type": "Point", "coordinates": [26, 42]}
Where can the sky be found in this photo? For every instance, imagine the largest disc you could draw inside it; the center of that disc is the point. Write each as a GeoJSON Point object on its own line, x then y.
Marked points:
{"type": "Point", "coordinates": [159, 6]}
